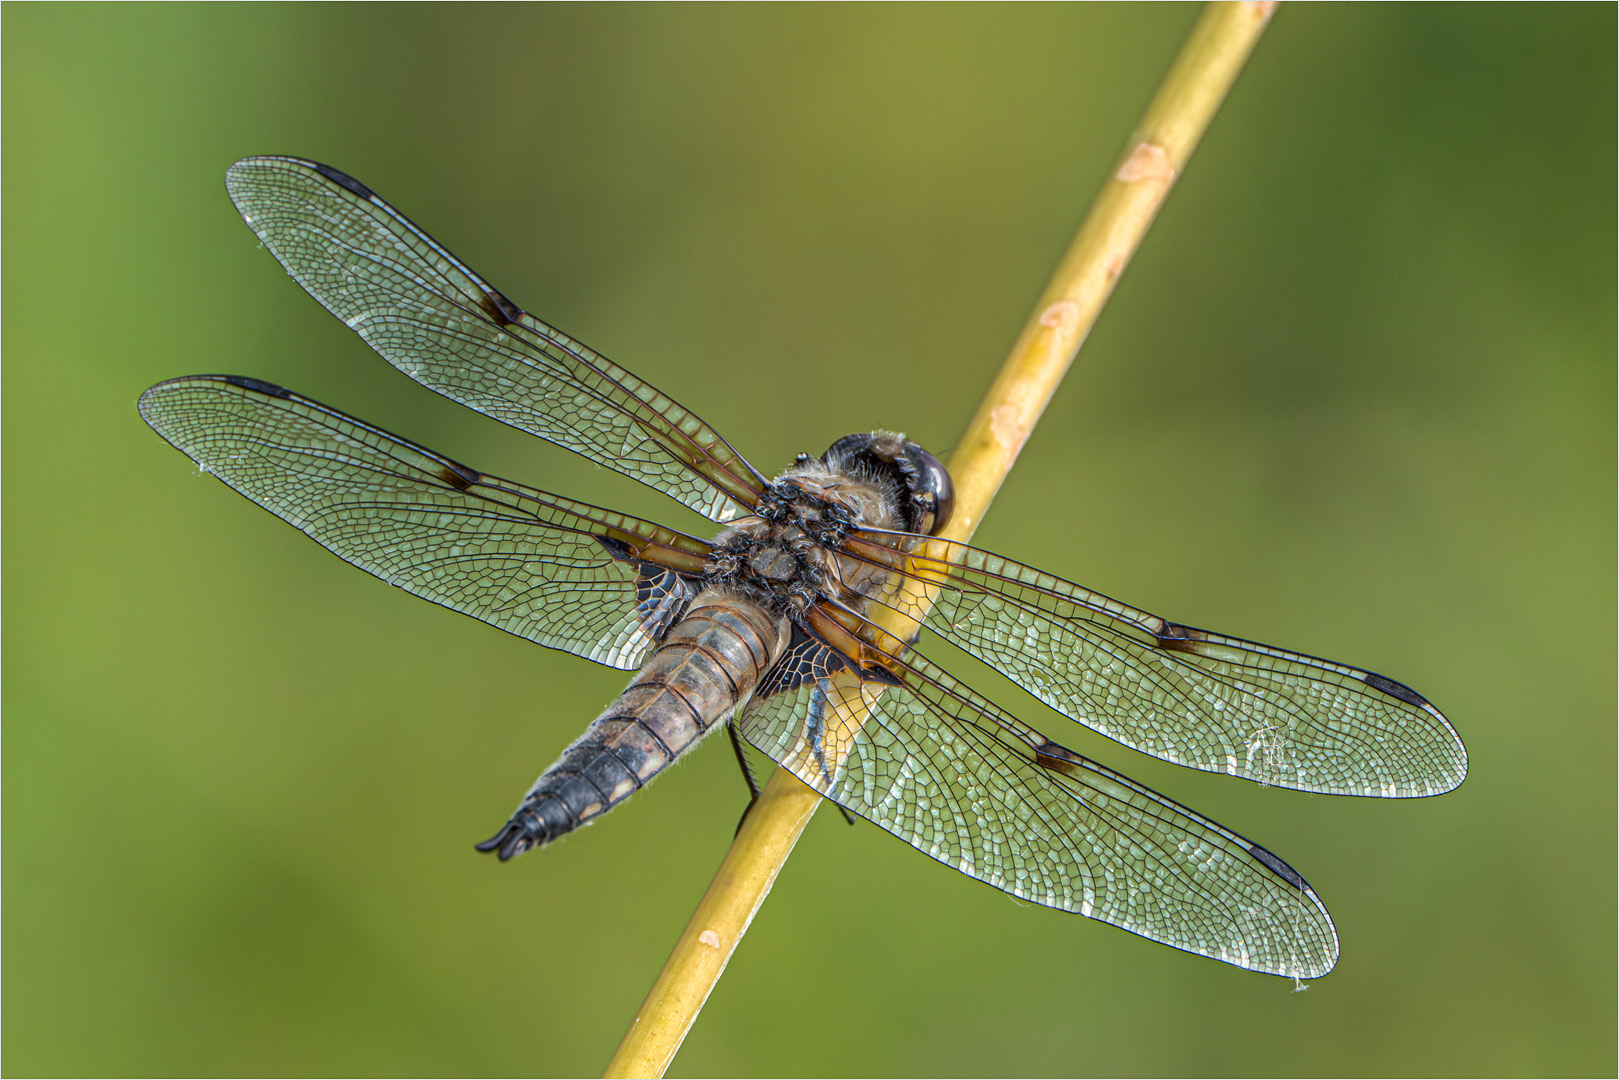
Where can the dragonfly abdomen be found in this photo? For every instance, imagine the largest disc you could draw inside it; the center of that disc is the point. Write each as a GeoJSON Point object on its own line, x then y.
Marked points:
{"type": "Point", "coordinates": [705, 667]}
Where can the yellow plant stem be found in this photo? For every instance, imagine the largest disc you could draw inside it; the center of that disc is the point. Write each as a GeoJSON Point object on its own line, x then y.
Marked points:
{"type": "Point", "coordinates": [1156, 153]}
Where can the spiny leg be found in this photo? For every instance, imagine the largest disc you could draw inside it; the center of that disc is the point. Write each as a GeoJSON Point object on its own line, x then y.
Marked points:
{"type": "Point", "coordinates": [753, 785]}
{"type": "Point", "coordinates": [747, 774]}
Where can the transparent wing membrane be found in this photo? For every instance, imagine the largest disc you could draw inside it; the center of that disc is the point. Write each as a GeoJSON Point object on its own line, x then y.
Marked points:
{"type": "Point", "coordinates": [1208, 702]}
{"type": "Point", "coordinates": [959, 780]}
{"type": "Point", "coordinates": [848, 706]}
{"type": "Point", "coordinates": [528, 562]}
{"type": "Point", "coordinates": [430, 316]}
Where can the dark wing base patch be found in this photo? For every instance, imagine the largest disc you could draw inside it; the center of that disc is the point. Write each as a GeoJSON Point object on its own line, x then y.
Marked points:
{"type": "Point", "coordinates": [661, 594]}
{"type": "Point", "coordinates": [806, 660]}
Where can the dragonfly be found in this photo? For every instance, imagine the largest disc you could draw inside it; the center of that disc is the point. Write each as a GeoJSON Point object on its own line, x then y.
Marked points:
{"type": "Point", "coordinates": [799, 625]}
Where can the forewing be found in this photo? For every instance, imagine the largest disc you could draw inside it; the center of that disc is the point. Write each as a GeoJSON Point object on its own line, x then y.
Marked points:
{"type": "Point", "coordinates": [959, 780]}
{"type": "Point", "coordinates": [1198, 699]}
{"type": "Point", "coordinates": [561, 573]}
{"type": "Point", "coordinates": [430, 316]}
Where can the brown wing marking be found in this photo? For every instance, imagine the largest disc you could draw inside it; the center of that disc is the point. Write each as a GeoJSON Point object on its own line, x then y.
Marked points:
{"type": "Point", "coordinates": [529, 562]}
{"type": "Point", "coordinates": [428, 314]}
{"type": "Point", "coordinates": [941, 768]}
{"type": "Point", "coordinates": [1189, 696]}
{"type": "Point", "coordinates": [662, 592]}
{"type": "Point", "coordinates": [839, 629]}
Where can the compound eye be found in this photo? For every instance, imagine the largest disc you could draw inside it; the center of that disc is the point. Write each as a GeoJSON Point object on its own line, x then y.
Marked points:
{"type": "Point", "coordinates": [846, 449]}
{"type": "Point", "coordinates": [932, 490]}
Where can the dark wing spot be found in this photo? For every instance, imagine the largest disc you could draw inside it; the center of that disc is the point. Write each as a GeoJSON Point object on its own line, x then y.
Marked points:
{"type": "Point", "coordinates": [879, 674]}
{"type": "Point", "coordinates": [269, 389]}
{"type": "Point", "coordinates": [1396, 690]}
{"type": "Point", "coordinates": [618, 549]}
{"type": "Point", "coordinates": [500, 309]}
{"type": "Point", "coordinates": [343, 179]}
{"type": "Point", "coordinates": [1053, 764]}
{"type": "Point", "coordinates": [1055, 758]}
{"type": "Point", "coordinates": [459, 476]}
{"type": "Point", "coordinates": [1178, 638]}
{"type": "Point", "coordinates": [1291, 875]}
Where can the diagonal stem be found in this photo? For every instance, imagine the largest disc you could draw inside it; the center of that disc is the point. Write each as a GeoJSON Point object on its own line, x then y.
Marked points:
{"type": "Point", "coordinates": [1153, 158]}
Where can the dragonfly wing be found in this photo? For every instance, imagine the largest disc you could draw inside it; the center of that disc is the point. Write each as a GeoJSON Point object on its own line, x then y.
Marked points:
{"type": "Point", "coordinates": [950, 774]}
{"type": "Point", "coordinates": [560, 573]}
{"type": "Point", "coordinates": [434, 319]}
{"type": "Point", "coordinates": [1220, 704]}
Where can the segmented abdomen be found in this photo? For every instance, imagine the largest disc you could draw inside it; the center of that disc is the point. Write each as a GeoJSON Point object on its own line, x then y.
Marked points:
{"type": "Point", "coordinates": [702, 671]}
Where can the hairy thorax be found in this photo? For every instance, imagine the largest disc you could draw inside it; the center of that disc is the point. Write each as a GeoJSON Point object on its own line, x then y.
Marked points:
{"type": "Point", "coordinates": [783, 556]}
{"type": "Point", "coordinates": [781, 601]}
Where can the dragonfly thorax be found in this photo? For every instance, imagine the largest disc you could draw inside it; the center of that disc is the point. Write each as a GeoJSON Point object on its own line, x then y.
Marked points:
{"type": "Point", "coordinates": [781, 556]}
{"type": "Point", "coordinates": [798, 625]}
{"type": "Point", "coordinates": [785, 554]}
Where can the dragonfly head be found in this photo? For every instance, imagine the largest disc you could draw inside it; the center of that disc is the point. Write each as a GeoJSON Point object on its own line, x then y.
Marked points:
{"type": "Point", "coordinates": [926, 492]}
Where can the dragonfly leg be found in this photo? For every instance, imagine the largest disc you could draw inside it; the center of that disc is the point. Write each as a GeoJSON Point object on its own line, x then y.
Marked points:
{"type": "Point", "coordinates": [747, 774]}
{"type": "Point", "coordinates": [753, 785]}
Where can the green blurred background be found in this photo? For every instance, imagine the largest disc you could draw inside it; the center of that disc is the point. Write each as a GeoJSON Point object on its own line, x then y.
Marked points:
{"type": "Point", "coordinates": [1355, 397]}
